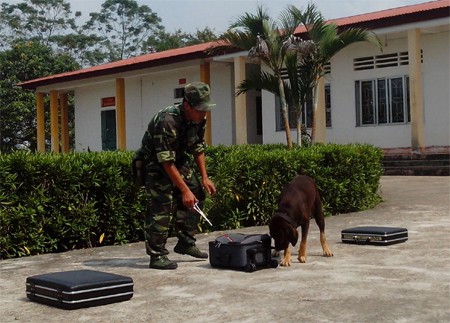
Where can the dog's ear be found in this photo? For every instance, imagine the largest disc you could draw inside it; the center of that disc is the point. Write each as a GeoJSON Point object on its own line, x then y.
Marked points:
{"type": "Point", "coordinates": [294, 236]}
{"type": "Point", "coordinates": [275, 223]}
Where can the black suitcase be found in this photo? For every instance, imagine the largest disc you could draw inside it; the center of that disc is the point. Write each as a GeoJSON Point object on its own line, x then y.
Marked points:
{"type": "Point", "coordinates": [240, 251]}
{"type": "Point", "coordinates": [79, 288]}
{"type": "Point", "coordinates": [381, 236]}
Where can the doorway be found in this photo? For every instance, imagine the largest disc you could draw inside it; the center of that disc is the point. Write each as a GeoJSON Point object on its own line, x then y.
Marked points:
{"type": "Point", "coordinates": [109, 140]}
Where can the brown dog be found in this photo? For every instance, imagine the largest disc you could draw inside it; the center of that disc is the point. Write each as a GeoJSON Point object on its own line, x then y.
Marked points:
{"type": "Point", "coordinates": [298, 202]}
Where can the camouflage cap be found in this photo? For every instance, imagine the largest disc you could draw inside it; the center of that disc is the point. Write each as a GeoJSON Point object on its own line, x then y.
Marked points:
{"type": "Point", "coordinates": [197, 94]}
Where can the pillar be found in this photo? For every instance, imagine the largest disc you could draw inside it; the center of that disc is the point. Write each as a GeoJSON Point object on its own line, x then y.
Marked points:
{"type": "Point", "coordinates": [416, 92]}
{"type": "Point", "coordinates": [64, 122]}
{"type": "Point", "coordinates": [40, 122]}
{"type": "Point", "coordinates": [319, 119]}
{"type": "Point", "coordinates": [205, 78]}
{"type": "Point", "coordinates": [54, 124]}
{"type": "Point", "coordinates": [120, 114]}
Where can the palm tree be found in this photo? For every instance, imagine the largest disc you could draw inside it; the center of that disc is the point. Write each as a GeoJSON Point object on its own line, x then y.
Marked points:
{"type": "Point", "coordinates": [301, 80]}
{"type": "Point", "coordinates": [266, 41]}
{"type": "Point", "coordinates": [324, 41]}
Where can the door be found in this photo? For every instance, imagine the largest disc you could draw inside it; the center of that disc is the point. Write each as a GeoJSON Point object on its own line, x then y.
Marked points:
{"type": "Point", "coordinates": [109, 141]}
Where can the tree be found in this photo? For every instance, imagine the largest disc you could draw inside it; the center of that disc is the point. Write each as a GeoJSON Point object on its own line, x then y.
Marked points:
{"type": "Point", "coordinates": [36, 20]}
{"type": "Point", "coordinates": [324, 40]}
{"type": "Point", "coordinates": [83, 48]}
{"type": "Point", "coordinates": [300, 86]}
{"type": "Point", "coordinates": [304, 61]}
{"type": "Point", "coordinates": [268, 42]}
{"type": "Point", "coordinates": [163, 40]}
{"type": "Point", "coordinates": [52, 23]}
{"type": "Point", "coordinates": [24, 61]}
{"type": "Point", "coordinates": [125, 27]}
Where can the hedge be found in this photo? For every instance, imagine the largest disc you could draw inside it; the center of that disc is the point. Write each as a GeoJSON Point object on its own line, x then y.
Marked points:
{"type": "Point", "coordinates": [54, 203]}
{"type": "Point", "coordinates": [250, 179]}
{"type": "Point", "coordinates": [58, 202]}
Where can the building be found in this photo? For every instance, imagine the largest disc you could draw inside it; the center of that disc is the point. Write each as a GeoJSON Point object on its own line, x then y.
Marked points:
{"type": "Point", "coordinates": [395, 98]}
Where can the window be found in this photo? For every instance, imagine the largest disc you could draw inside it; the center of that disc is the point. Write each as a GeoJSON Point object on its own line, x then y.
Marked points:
{"type": "Point", "coordinates": [307, 112]}
{"type": "Point", "coordinates": [259, 126]}
{"type": "Point", "coordinates": [328, 105]}
{"type": "Point", "coordinates": [382, 61]}
{"type": "Point", "coordinates": [382, 101]}
{"type": "Point", "coordinates": [178, 93]}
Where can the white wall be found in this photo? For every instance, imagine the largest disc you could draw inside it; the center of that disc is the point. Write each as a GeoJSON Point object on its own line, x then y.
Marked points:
{"type": "Point", "coordinates": [145, 95]}
{"type": "Point", "coordinates": [222, 93]}
{"type": "Point", "coordinates": [152, 91]}
{"type": "Point", "coordinates": [436, 75]}
{"type": "Point", "coordinates": [88, 126]}
{"type": "Point", "coordinates": [436, 79]}
{"type": "Point", "coordinates": [343, 104]}
{"type": "Point", "coordinates": [157, 92]}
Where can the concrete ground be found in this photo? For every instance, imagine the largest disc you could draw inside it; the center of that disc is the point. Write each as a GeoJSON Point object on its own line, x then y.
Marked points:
{"type": "Point", "coordinates": [407, 282]}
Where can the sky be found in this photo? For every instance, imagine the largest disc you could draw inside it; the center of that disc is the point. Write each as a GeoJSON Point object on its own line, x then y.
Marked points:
{"type": "Point", "coordinates": [193, 15]}
{"type": "Point", "coordinates": [190, 15]}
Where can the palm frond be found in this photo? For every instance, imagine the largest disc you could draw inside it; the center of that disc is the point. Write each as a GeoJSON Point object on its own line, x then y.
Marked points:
{"type": "Point", "coordinates": [333, 43]}
{"type": "Point", "coordinates": [288, 23]}
{"type": "Point", "coordinates": [259, 81]}
{"type": "Point", "coordinates": [251, 23]}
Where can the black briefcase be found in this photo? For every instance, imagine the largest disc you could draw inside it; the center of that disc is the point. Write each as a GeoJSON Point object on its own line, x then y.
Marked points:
{"type": "Point", "coordinates": [79, 288]}
{"type": "Point", "coordinates": [373, 235]}
{"type": "Point", "coordinates": [241, 251]}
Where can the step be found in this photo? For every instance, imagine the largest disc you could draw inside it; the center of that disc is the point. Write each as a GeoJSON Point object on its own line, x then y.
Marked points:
{"type": "Point", "coordinates": [415, 162]}
{"type": "Point", "coordinates": [418, 170]}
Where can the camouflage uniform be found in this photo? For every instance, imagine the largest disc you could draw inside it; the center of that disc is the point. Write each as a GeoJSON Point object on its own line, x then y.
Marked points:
{"type": "Point", "coordinates": [170, 137]}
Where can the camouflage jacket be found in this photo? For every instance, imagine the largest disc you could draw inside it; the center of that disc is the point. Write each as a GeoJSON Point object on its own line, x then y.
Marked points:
{"type": "Point", "coordinates": [170, 137]}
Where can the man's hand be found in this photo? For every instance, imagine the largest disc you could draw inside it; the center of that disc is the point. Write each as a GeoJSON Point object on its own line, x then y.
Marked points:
{"type": "Point", "coordinates": [188, 198]}
{"type": "Point", "coordinates": [209, 186]}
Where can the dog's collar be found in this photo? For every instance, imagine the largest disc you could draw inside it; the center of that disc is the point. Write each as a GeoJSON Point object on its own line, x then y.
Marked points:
{"type": "Point", "coordinates": [290, 220]}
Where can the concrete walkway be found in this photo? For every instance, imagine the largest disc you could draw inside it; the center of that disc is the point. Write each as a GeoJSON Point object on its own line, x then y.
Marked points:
{"type": "Point", "coordinates": [407, 282]}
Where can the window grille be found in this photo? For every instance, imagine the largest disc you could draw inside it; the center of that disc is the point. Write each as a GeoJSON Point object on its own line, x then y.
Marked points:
{"type": "Point", "coordinates": [381, 61]}
{"type": "Point", "coordinates": [382, 101]}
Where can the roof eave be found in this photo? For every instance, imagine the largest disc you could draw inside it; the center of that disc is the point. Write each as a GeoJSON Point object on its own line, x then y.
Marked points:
{"type": "Point", "coordinates": [33, 84]}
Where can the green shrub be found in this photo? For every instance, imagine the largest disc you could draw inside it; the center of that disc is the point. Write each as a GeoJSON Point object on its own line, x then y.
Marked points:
{"type": "Point", "coordinates": [250, 178]}
{"type": "Point", "coordinates": [54, 203]}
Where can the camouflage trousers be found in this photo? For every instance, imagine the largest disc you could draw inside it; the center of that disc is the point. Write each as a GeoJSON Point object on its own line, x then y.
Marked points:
{"type": "Point", "coordinates": [166, 212]}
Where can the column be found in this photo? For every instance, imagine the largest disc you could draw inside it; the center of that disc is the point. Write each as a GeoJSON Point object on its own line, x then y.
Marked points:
{"type": "Point", "coordinates": [40, 120]}
{"type": "Point", "coordinates": [120, 114]}
{"type": "Point", "coordinates": [205, 78]}
{"type": "Point", "coordinates": [319, 119]}
{"type": "Point", "coordinates": [64, 122]}
{"type": "Point", "coordinates": [416, 92]}
{"type": "Point", "coordinates": [54, 118]}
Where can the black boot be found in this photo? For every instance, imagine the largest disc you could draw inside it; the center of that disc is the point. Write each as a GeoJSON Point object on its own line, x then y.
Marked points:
{"type": "Point", "coordinates": [162, 262]}
{"type": "Point", "coordinates": [191, 250]}
{"type": "Point", "coordinates": [186, 246]}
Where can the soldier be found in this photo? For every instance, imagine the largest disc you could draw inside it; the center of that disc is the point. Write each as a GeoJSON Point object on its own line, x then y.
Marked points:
{"type": "Point", "coordinates": [172, 135]}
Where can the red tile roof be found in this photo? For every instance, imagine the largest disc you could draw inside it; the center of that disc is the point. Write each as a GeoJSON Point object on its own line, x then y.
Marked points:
{"type": "Point", "coordinates": [134, 63]}
{"type": "Point", "coordinates": [398, 16]}
{"type": "Point", "coordinates": [385, 18]}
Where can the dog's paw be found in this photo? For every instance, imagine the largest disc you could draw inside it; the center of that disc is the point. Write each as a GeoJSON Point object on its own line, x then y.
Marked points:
{"type": "Point", "coordinates": [285, 262]}
{"type": "Point", "coordinates": [328, 254]}
{"type": "Point", "coordinates": [302, 259]}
